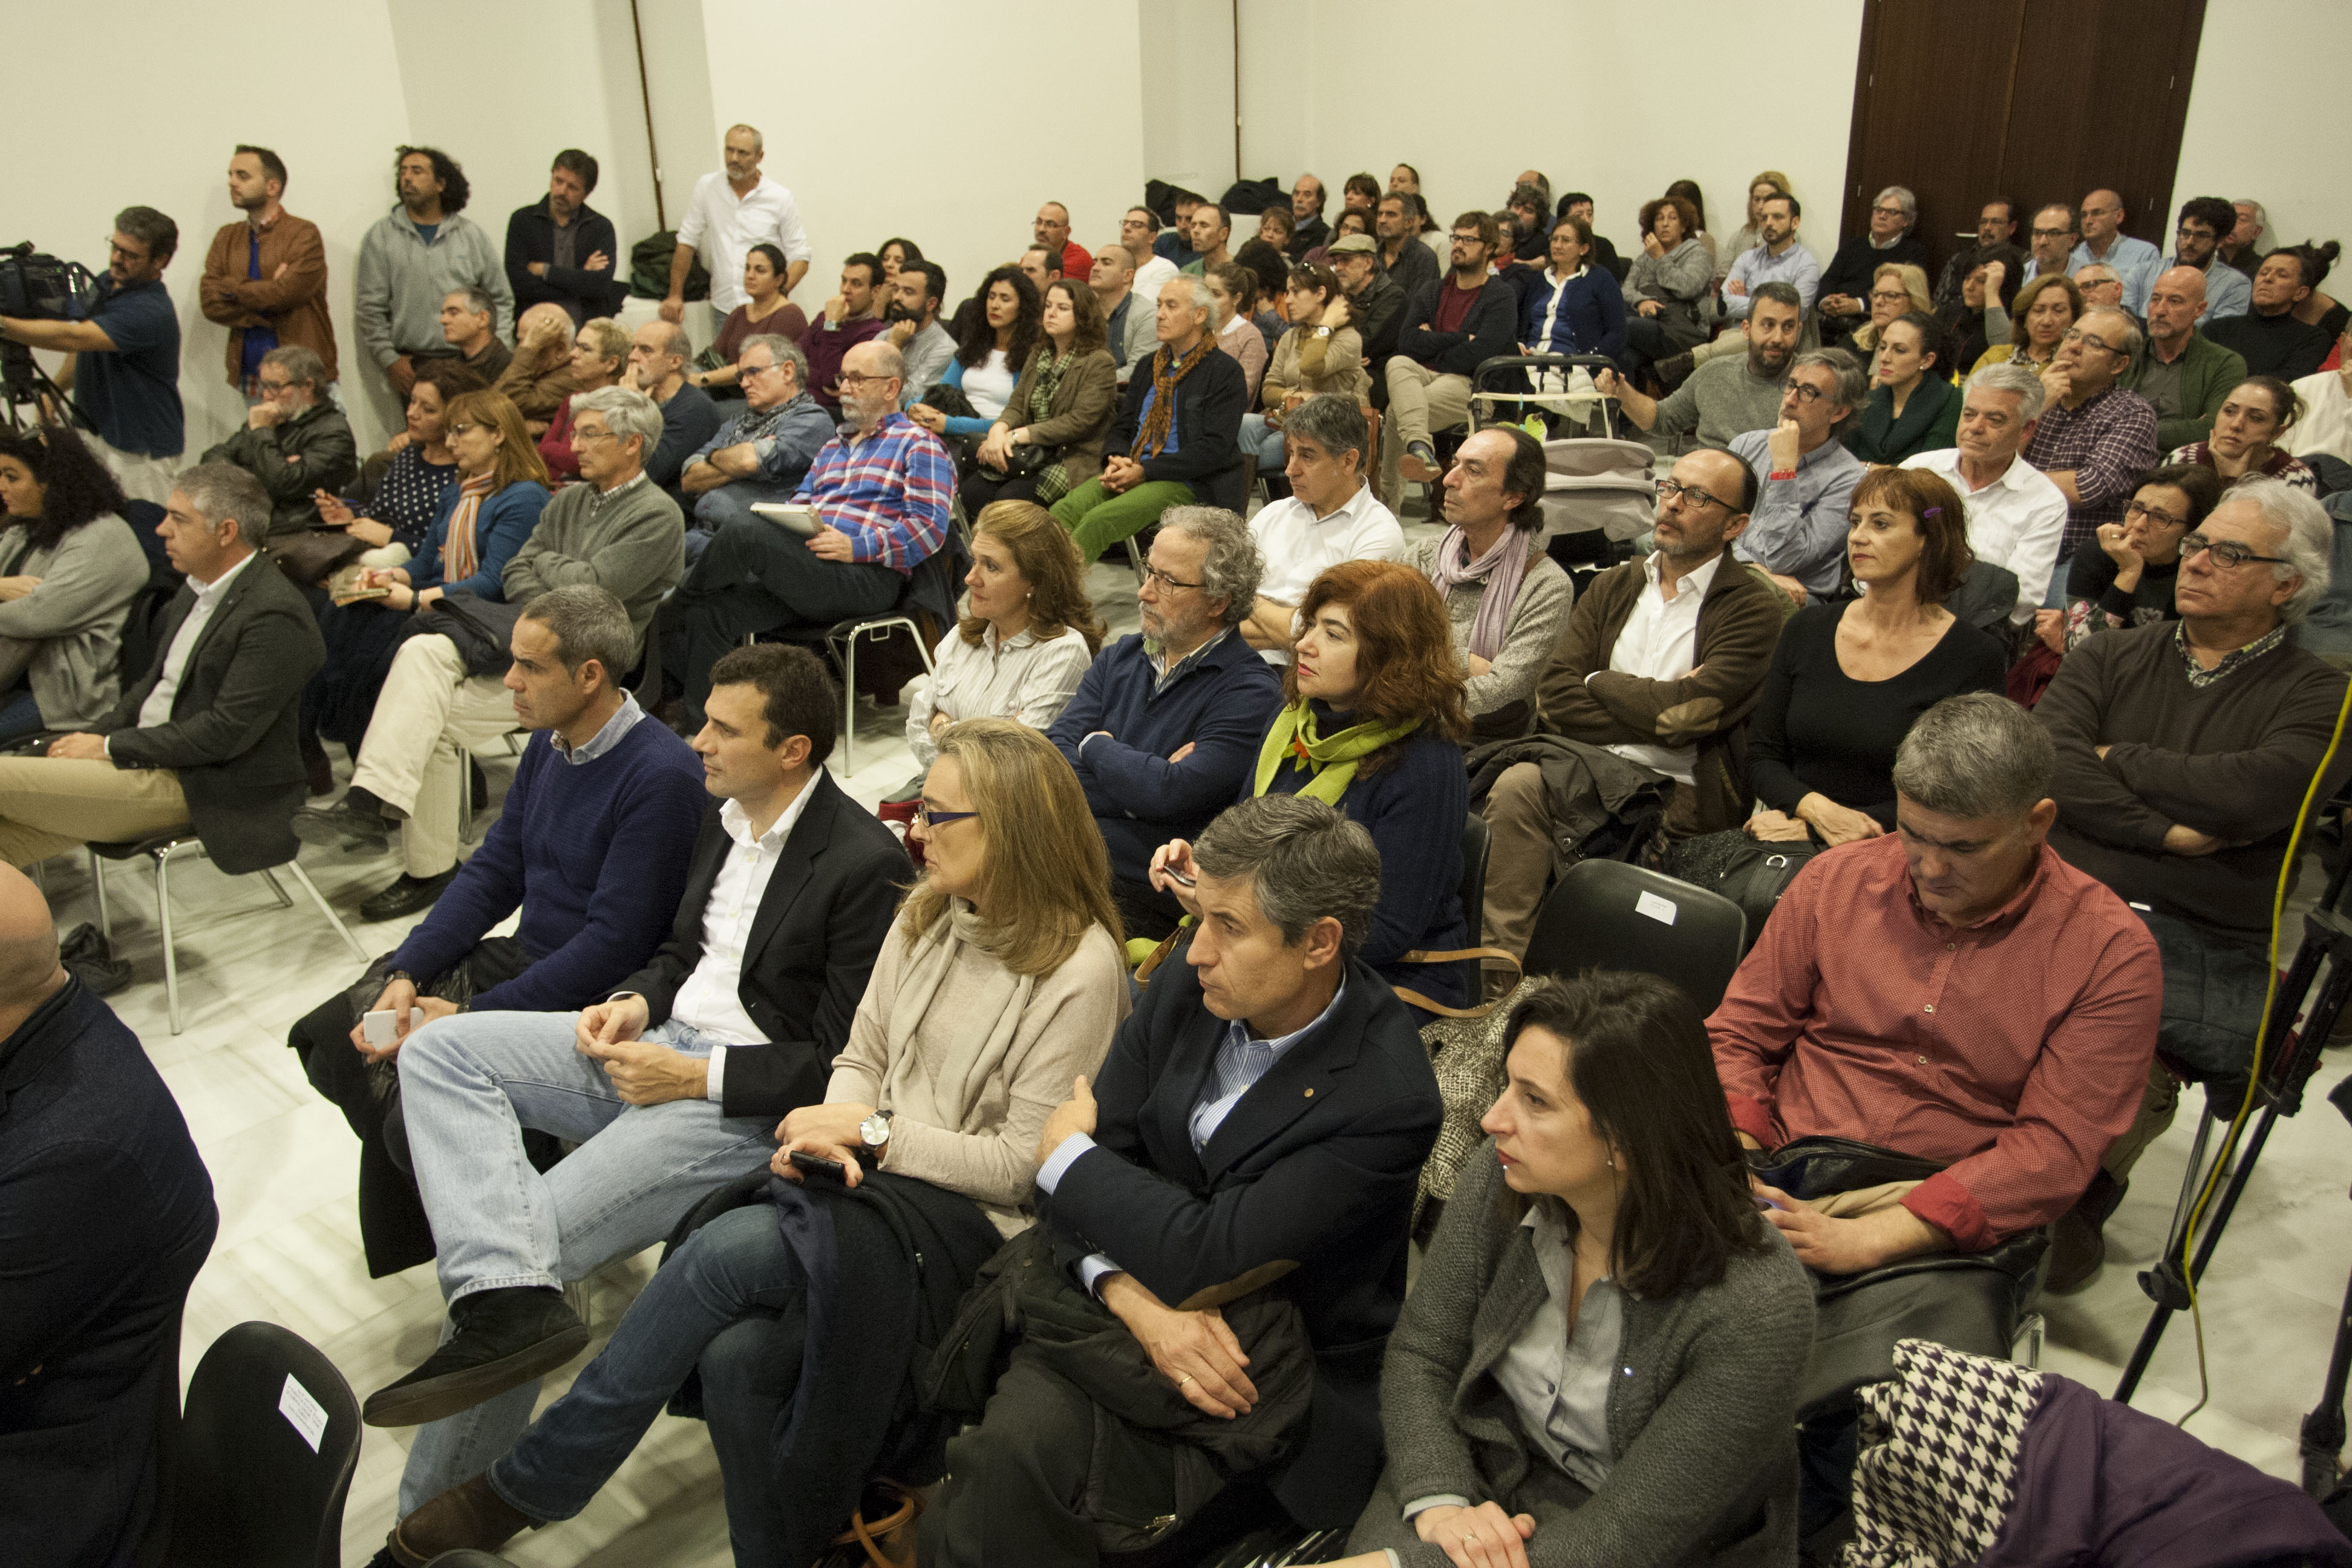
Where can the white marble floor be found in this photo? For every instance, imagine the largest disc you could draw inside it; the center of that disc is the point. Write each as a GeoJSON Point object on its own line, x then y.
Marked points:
{"type": "Point", "coordinates": [284, 1171]}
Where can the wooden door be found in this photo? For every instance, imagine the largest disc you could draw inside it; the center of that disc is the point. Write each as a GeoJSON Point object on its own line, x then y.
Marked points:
{"type": "Point", "coordinates": [2038, 101]}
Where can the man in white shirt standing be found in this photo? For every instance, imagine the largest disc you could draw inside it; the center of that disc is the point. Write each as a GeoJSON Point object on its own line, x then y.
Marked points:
{"type": "Point", "coordinates": [2015, 514]}
{"type": "Point", "coordinates": [1331, 515]}
{"type": "Point", "coordinates": [733, 210]}
{"type": "Point", "coordinates": [670, 1087]}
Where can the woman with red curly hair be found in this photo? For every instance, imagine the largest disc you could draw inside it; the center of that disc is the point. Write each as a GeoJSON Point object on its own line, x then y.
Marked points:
{"type": "Point", "coordinates": [1373, 723]}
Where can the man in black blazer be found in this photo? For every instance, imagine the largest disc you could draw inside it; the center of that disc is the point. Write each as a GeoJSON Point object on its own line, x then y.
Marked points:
{"type": "Point", "coordinates": [560, 250]}
{"type": "Point", "coordinates": [673, 1086]}
{"type": "Point", "coordinates": [206, 737]}
{"type": "Point", "coordinates": [106, 1214]}
{"type": "Point", "coordinates": [1451, 326]}
{"type": "Point", "coordinates": [1260, 1124]}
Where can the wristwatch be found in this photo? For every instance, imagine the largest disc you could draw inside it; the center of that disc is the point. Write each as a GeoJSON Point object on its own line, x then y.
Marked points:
{"type": "Point", "coordinates": [875, 1133]}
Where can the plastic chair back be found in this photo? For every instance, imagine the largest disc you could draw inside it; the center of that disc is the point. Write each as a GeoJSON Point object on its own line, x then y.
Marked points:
{"type": "Point", "coordinates": [1605, 914]}
{"type": "Point", "coordinates": [268, 1439]}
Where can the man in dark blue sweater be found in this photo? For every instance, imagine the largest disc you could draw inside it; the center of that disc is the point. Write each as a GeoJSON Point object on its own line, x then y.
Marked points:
{"type": "Point", "coordinates": [592, 845]}
{"type": "Point", "coordinates": [1166, 725]}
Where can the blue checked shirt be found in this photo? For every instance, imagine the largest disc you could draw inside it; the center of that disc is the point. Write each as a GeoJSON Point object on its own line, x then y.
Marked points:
{"type": "Point", "coordinates": [888, 493]}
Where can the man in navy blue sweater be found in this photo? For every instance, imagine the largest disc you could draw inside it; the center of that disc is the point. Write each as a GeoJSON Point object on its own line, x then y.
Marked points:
{"type": "Point", "coordinates": [592, 845]}
{"type": "Point", "coordinates": [1166, 725]}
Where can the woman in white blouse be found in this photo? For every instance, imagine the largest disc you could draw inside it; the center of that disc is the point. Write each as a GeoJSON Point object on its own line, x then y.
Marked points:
{"type": "Point", "coordinates": [1027, 634]}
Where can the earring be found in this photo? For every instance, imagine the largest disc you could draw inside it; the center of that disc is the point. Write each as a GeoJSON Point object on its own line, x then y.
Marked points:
{"type": "Point", "coordinates": [1610, 1160]}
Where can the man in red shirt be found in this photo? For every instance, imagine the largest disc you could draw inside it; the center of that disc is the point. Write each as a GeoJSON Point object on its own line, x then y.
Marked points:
{"type": "Point", "coordinates": [1052, 230]}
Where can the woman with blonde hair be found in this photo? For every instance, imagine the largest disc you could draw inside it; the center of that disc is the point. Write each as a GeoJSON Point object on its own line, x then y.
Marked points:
{"type": "Point", "coordinates": [1027, 634]}
{"type": "Point", "coordinates": [1896, 289]}
{"type": "Point", "coordinates": [2040, 315]}
{"type": "Point", "coordinates": [1002, 981]}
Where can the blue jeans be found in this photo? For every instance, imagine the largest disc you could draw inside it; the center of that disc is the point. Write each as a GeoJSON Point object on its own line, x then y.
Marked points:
{"type": "Point", "coordinates": [468, 1085]}
{"type": "Point", "coordinates": [1264, 439]}
{"type": "Point", "coordinates": [717, 1302]}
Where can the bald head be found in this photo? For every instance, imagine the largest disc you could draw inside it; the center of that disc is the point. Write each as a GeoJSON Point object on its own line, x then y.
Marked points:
{"type": "Point", "coordinates": [29, 972]}
{"type": "Point", "coordinates": [2175, 301]}
{"type": "Point", "coordinates": [2103, 214]}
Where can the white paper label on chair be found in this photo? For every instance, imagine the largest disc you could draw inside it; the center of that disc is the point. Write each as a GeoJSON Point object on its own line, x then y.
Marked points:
{"type": "Point", "coordinates": [1660, 909]}
{"type": "Point", "coordinates": [304, 1414]}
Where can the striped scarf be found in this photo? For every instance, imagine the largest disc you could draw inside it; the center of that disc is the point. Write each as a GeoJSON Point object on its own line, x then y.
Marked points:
{"type": "Point", "coordinates": [1153, 440]}
{"type": "Point", "coordinates": [461, 551]}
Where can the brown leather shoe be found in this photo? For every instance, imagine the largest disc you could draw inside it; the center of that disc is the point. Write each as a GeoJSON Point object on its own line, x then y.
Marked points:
{"type": "Point", "coordinates": [468, 1515]}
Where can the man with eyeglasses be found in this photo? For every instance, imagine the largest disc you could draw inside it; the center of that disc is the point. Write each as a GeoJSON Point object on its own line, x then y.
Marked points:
{"type": "Point", "coordinates": [1805, 478]}
{"type": "Point", "coordinates": [764, 452]}
{"type": "Point", "coordinates": [1996, 241]}
{"type": "Point", "coordinates": [2205, 221]}
{"type": "Point", "coordinates": [2056, 229]}
{"type": "Point", "coordinates": [2185, 375]}
{"type": "Point", "coordinates": [2016, 516]}
{"type": "Point", "coordinates": [1887, 242]}
{"type": "Point", "coordinates": [122, 363]}
{"type": "Point", "coordinates": [2102, 286]}
{"type": "Point", "coordinates": [2136, 261]}
{"type": "Point", "coordinates": [1138, 230]}
{"type": "Point", "coordinates": [295, 440]}
{"type": "Point", "coordinates": [2095, 438]}
{"type": "Point", "coordinates": [1165, 725]}
{"type": "Point", "coordinates": [2185, 750]}
{"type": "Point", "coordinates": [1449, 325]}
{"type": "Point", "coordinates": [1650, 689]}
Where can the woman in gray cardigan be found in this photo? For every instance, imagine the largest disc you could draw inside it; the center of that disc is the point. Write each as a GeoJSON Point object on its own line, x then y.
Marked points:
{"type": "Point", "coordinates": [1599, 1361]}
{"type": "Point", "coordinates": [1670, 292]}
{"type": "Point", "coordinates": [69, 567]}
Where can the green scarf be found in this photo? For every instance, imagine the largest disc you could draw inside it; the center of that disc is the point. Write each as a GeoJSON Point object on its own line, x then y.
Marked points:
{"type": "Point", "coordinates": [1331, 758]}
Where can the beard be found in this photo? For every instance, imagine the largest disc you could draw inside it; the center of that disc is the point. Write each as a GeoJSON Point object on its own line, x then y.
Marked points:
{"type": "Point", "coordinates": [897, 312]}
{"type": "Point", "coordinates": [1766, 364]}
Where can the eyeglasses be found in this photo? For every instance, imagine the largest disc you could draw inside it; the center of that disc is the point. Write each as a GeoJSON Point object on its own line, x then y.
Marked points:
{"type": "Point", "coordinates": [1891, 296]}
{"type": "Point", "coordinates": [114, 249]}
{"type": "Point", "coordinates": [272, 386]}
{"type": "Point", "coordinates": [2077, 335]}
{"type": "Point", "coordinates": [2227, 554]}
{"type": "Point", "coordinates": [852, 378]}
{"type": "Point", "coordinates": [458, 429]}
{"type": "Point", "coordinates": [1670, 490]}
{"type": "Point", "coordinates": [1886, 212]}
{"type": "Point", "coordinates": [2194, 231]}
{"type": "Point", "coordinates": [1154, 576]}
{"type": "Point", "coordinates": [2052, 233]}
{"type": "Point", "coordinates": [1805, 392]}
{"type": "Point", "coordinates": [927, 819]}
{"type": "Point", "coordinates": [580, 433]}
{"type": "Point", "coordinates": [2153, 514]}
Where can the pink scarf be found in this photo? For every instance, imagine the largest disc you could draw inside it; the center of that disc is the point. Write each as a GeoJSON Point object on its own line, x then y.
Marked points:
{"type": "Point", "coordinates": [1501, 569]}
{"type": "Point", "coordinates": [461, 554]}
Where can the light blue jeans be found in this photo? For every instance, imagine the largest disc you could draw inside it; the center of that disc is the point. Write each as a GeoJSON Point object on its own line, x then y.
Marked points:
{"type": "Point", "coordinates": [1257, 436]}
{"type": "Point", "coordinates": [468, 1086]}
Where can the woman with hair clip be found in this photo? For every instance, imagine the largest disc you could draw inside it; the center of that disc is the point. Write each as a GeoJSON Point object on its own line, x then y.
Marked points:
{"type": "Point", "coordinates": [1373, 723]}
{"type": "Point", "coordinates": [2246, 430]}
{"type": "Point", "coordinates": [1000, 982]}
{"type": "Point", "coordinates": [1026, 637]}
{"type": "Point", "coordinates": [1059, 411]}
{"type": "Point", "coordinates": [69, 568]}
{"type": "Point", "coordinates": [1601, 1361]}
{"type": "Point", "coordinates": [767, 310]}
{"type": "Point", "coordinates": [998, 330]}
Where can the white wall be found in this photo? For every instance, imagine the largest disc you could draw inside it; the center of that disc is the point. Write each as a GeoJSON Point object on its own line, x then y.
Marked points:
{"type": "Point", "coordinates": [1185, 76]}
{"type": "Point", "coordinates": [2267, 118]}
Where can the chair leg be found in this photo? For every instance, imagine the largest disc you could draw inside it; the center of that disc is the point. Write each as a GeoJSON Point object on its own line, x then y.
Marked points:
{"type": "Point", "coordinates": [276, 887]}
{"type": "Point", "coordinates": [98, 891]}
{"type": "Point", "coordinates": [464, 795]}
{"type": "Point", "coordinates": [849, 707]}
{"type": "Point", "coordinates": [171, 958]}
{"type": "Point", "coordinates": [327, 909]}
{"type": "Point", "coordinates": [2031, 1332]}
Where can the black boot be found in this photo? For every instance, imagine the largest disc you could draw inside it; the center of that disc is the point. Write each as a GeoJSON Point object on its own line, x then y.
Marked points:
{"type": "Point", "coordinates": [504, 1339]}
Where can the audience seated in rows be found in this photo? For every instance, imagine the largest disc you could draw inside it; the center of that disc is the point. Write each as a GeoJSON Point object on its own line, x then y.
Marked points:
{"type": "Point", "coordinates": [600, 356]}
{"type": "Point", "coordinates": [1128, 328]}
{"type": "Point", "coordinates": [2125, 575]}
{"type": "Point", "coordinates": [1853, 273]}
{"type": "Point", "coordinates": [2182, 373]}
{"type": "Point", "coordinates": [538, 380]}
{"type": "Point", "coordinates": [1176, 441]}
{"type": "Point", "coordinates": [1232, 294]}
{"type": "Point", "coordinates": [1451, 326]}
{"type": "Point", "coordinates": [2043, 311]}
{"type": "Point", "coordinates": [1330, 516]}
{"type": "Point", "coordinates": [1797, 525]}
{"type": "Point", "coordinates": [2093, 436]}
{"type": "Point", "coordinates": [295, 440]}
{"type": "Point", "coordinates": [997, 343]}
{"type": "Point", "coordinates": [563, 252]}
{"type": "Point", "coordinates": [996, 984]}
{"type": "Point", "coordinates": [1647, 695]}
{"type": "Point", "coordinates": [265, 275]}
{"type": "Point", "coordinates": [762, 453]}
{"type": "Point", "coordinates": [1572, 307]}
{"type": "Point", "coordinates": [443, 696]}
{"type": "Point", "coordinates": [2326, 425]}
{"type": "Point", "coordinates": [1322, 354]}
{"type": "Point", "coordinates": [403, 489]}
{"type": "Point", "coordinates": [764, 311]}
{"type": "Point", "coordinates": [881, 487]}
{"type": "Point", "coordinates": [69, 570]}
{"type": "Point", "coordinates": [2016, 516]}
{"type": "Point", "coordinates": [1668, 289]}
{"type": "Point", "coordinates": [2246, 432]}
{"type": "Point", "coordinates": [917, 295]}
{"type": "Point", "coordinates": [1506, 600]}
{"type": "Point", "coordinates": [1048, 438]}
{"type": "Point", "coordinates": [658, 368]}
{"type": "Point", "coordinates": [1914, 407]}
{"type": "Point", "coordinates": [2204, 221]}
{"type": "Point", "coordinates": [203, 742]}
{"type": "Point", "coordinates": [2135, 262]}
{"type": "Point", "coordinates": [590, 850]}
{"type": "Point", "coordinates": [1166, 724]}
{"type": "Point", "coordinates": [1026, 637]}
{"type": "Point", "coordinates": [2271, 338]}
{"type": "Point", "coordinates": [1606, 1225]}
{"type": "Point", "coordinates": [1729, 394]}
{"type": "Point", "coordinates": [852, 316]}
{"type": "Point", "coordinates": [108, 1214]}
{"type": "Point", "coordinates": [411, 261]}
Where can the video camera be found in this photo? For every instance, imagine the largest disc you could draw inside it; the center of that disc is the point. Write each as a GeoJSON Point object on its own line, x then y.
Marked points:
{"type": "Point", "coordinates": [42, 288]}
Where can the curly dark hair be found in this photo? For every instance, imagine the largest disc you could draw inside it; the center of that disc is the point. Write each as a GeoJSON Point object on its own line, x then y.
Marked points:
{"type": "Point", "coordinates": [978, 339]}
{"type": "Point", "coordinates": [76, 487]}
{"type": "Point", "coordinates": [454, 188]}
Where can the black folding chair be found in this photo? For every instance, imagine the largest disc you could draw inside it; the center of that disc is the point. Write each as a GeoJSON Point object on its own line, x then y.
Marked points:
{"type": "Point", "coordinates": [1606, 915]}
{"type": "Point", "coordinates": [268, 1444]}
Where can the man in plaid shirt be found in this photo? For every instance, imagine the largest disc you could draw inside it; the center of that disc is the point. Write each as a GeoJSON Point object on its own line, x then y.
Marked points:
{"type": "Point", "coordinates": [881, 487]}
{"type": "Point", "coordinates": [2094, 439]}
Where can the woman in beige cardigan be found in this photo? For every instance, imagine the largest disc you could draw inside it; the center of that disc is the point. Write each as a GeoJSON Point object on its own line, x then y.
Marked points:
{"type": "Point", "coordinates": [1323, 352]}
{"type": "Point", "coordinates": [1060, 409]}
{"type": "Point", "coordinates": [1002, 980]}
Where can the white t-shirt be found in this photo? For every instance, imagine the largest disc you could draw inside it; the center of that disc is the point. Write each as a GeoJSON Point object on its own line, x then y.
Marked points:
{"type": "Point", "coordinates": [1151, 276]}
{"type": "Point", "coordinates": [2326, 422]}
{"type": "Point", "coordinates": [989, 383]}
{"type": "Point", "coordinates": [2015, 522]}
{"type": "Point", "coordinates": [1298, 546]}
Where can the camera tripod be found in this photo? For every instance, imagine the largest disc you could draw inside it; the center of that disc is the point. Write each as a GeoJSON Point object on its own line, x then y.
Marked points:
{"type": "Point", "coordinates": [25, 385]}
{"type": "Point", "coordinates": [2290, 1056]}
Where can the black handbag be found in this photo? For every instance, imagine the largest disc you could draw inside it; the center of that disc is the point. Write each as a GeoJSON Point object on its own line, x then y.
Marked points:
{"type": "Point", "coordinates": [1760, 871]}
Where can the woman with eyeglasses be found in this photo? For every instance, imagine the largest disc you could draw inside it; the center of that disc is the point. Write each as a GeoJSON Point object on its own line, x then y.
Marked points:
{"type": "Point", "coordinates": [796, 1303]}
{"type": "Point", "coordinates": [402, 487]}
{"type": "Point", "coordinates": [1896, 289]}
{"type": "Point", "coordinates": [2246, 431]}
{"type": "Point", "coordinates": [2125, 575]}
{"type": "Point", "coordinates": [1914, 407]}
{"type": "Point", "coordinates": [2044, 311]}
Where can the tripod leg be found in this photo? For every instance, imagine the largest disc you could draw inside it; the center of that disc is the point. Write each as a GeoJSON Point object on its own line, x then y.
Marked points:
{"type": "Point", "coordinates": [2323, 1429]}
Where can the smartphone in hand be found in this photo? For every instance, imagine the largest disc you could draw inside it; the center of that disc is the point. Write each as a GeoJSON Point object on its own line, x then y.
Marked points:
{"type": "Point", "coordinates": [819, 1168]}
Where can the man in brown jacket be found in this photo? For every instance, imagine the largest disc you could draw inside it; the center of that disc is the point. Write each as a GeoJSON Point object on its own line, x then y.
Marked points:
{"type": "Point", "coordinates": [1651, 683]}
{"type": "Point", "coordinates": [266, 279]}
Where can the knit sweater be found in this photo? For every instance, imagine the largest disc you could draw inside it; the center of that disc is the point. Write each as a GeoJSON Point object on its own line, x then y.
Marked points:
{"type": "Point", "coordinates": [2208, 373]}
{"type": "Point", "coordinates": [1537, 614]}
{"type": "Point", "coordinates": [75, 617]}
{"type": "Point", "coordinates": [630, 543]}
{"type": "Point", "coordinates": [977, 1135]}
{"type": "Point", "coordinates": [1701, 1422]}
{"type": "Point", "coordinates": [595, 855]}
{"type": "Point", "coordinates": [2232, 760]}
{"type": "Point", "coordinates": [1718, 401]}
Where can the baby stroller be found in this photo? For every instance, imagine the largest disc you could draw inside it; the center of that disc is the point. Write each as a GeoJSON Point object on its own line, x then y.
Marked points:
{"type": "Point", "coordinates": [1599, 495]}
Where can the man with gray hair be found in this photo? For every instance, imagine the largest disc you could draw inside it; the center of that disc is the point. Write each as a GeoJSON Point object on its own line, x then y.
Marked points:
{"type": "Point", "coordinates": [2095, 438]}
{"type": "Point", "coordinates": [1165, 725]}
{"type": "Point", "coordinates": [657, 355]}
{"type": "Point", "coordinates": [2016, 516]}
{"type": "Point", "coordinates": [295, 440]}
{"type": "Point", "coordinates": [2102, 286]}
{"type": "Point", "coordinates": [1845, 298]}
{"type": "Point", "coordinates": [615, 532]}
{"type": "Point", "coordinates": [207, 738]}
{"type": "Point", "coordinates": [764, 452]}
{"type": "Point", "coordinates": [731, 210]}
{"type": "Point", "coordinates": [470, 326]}
{"type": "Point", "coordinates": [2184, 753]}
{"type": "Point", "coordinates": [1330, 515]}
{"type": "Point", "coordinates": [1263, 1114]}
{"type": "Point", "coordinates": [1796, 532]}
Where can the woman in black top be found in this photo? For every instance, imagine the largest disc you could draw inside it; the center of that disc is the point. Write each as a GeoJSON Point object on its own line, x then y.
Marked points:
{"type": "Point", "coordinates": [1849, 677]}
{"type": "Point", "coordinates": [2123, 576]}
